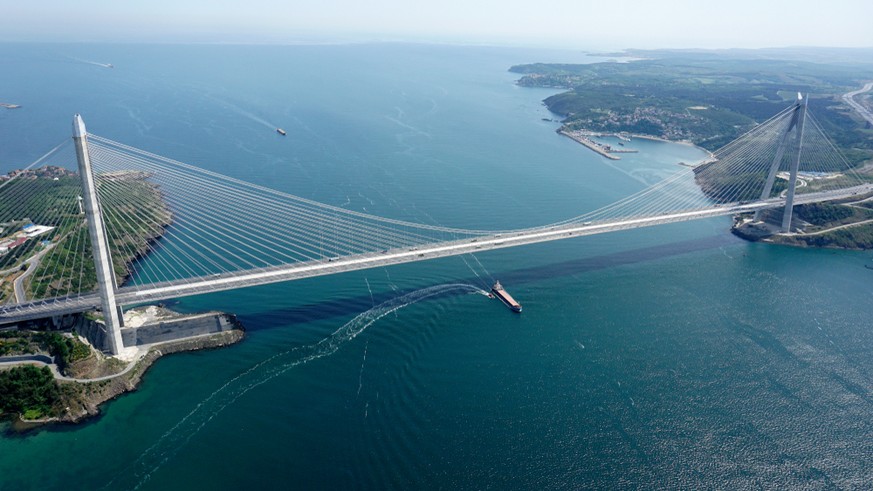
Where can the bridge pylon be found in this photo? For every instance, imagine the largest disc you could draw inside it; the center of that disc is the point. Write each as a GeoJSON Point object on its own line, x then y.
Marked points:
{"type": "Point", "coordinates": [99, 244]}
{"type": "Point", "coordinates": [795, 127]}
{"type": "Point", "coordinates": [795, 161]}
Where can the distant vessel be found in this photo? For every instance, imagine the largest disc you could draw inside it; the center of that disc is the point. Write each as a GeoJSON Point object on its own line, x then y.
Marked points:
{"type": "Point", "coordinates": [109, 65]}
{"type": "Point", "coordinates": [280, 131]}
{"type": "Point", "coordinates": [505, 297]}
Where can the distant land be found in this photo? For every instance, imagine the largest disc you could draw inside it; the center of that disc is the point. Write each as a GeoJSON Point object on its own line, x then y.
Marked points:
{"type": "Point", "coordinates": [705, 97]}
{"type": "Point", "coordinates": [711, 97]}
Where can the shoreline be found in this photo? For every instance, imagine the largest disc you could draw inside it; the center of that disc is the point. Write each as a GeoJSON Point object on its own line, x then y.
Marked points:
{"type": "Point", "coordinates": [587, 143]}
{"type": "Point", "coordinates": [624, 136]}
{"type": "Point", "coordinates": [83, 398]}
{"type": "Point", "coordinates": [710, 155]}
{"type": "Point", "coordinates": [842, 235]}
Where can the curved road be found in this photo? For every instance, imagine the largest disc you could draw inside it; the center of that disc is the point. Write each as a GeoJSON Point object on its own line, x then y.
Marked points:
{"type": "Point", "coordinates": [839, 227]}
{"type": "Point", "coordinates": [32, 264]}
{"type": "Point", "coordinates": [849, 98]}
{"type": "Point", "coordinates": [41, 360]}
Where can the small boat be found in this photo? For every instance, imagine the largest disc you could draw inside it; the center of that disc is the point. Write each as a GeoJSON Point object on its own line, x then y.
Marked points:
{"type": "Point", "coordinates": [505, 297]}
{"type": "Point", "coordinates": [280, 131]}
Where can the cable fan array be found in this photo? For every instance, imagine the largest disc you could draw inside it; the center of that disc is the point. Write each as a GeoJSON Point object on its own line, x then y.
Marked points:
{"type": "Point", "coordinates": [738, 172]}
{"type": "Point", "coordinates": [171, 222]}
{"type": "Point", "coordinates": [47, 247]}
{"type": "Point", "coordinates": [189, 222]}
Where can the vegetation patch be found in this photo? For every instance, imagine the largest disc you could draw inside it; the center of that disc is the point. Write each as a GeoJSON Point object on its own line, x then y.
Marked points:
{"type": "Point", "coordinates": [859, 237]}
{"type": "Point", "coordinates": [49, 196]}
{"type": "Point", "coordinates": [66, 350]}
{"type": "Point", "coordinates": [28, 391]}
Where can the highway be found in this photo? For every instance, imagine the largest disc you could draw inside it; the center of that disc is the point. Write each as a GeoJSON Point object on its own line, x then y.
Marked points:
{"type": "Point", "coordinates": [849, 98]}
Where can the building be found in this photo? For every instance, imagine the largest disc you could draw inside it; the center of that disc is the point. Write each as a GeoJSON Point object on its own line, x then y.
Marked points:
{"type": "Point", "coordinates": [31, 230]}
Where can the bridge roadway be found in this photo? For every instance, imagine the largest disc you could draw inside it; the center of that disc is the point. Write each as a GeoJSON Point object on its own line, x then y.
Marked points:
{"type": "Point", "coordinates": [131, 295]}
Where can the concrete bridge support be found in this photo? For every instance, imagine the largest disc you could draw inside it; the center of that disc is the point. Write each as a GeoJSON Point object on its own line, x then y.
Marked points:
{"type": "Point", "coordinates": [796, 125]}
{"type": "Point", "coordinates": [795, 162]}
{"type": "Point", "coordinates": [99, 244]}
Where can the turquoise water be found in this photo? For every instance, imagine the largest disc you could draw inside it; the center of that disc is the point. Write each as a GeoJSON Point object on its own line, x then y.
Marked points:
{"type": "Point", "coordinates": [668, 357]}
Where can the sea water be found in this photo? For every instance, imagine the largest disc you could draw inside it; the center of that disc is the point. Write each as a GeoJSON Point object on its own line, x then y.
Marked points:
{"type": "Point", "coordinates": [665, 357]}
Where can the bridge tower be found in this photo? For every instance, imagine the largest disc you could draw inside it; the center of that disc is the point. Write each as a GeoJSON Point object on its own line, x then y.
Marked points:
{"type": "Point", "coordinates": [99, 244]}
{"type": "Point", "coordinates": [794, 127]}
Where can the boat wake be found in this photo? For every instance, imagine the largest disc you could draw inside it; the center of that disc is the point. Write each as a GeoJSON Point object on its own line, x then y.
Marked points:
{"type": "Point", "coordinates": [242, 112]}
{"type": "Point", "coordinates": [171, 442]}
{"type": "Point", "coordinates": [96, 63]}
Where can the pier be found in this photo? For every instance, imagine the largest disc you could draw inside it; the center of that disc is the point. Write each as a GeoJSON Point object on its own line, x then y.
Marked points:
{"type": "Point", "coordinates": [582, 138]}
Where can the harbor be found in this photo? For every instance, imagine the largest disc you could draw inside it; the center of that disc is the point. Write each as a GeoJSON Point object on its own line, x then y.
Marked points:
{"type": "Point", "coordinates": [586, 138]}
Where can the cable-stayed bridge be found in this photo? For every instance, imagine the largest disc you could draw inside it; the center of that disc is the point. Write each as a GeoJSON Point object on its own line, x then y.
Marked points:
{"type": "Point", "coordinates": [149, 228]}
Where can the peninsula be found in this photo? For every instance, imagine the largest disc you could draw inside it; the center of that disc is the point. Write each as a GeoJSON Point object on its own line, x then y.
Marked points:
{"type": "Point", "coordinates": [709, 98]}
{"type": "Point", "coordinates": [58, 377]}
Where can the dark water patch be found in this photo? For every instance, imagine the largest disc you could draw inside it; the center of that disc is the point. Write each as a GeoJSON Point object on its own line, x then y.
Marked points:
{"type": "Point", "coordinates": [854, 388]}
{"type": "Point", "coordinates": [632, 443]}
{"type": "Point", "coordinates": [814, 475]}
{"type": "Point", "coordinates": [783, 390]}
{"type": "Point", "coordinates": [764, 339]}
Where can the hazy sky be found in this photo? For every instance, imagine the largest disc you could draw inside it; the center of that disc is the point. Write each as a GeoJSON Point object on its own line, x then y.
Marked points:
{"type": "Point", "coordinates": [568, 23]}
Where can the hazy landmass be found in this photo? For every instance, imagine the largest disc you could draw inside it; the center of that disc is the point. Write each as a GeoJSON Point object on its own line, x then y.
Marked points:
{"type": "Point", "coordinates": [706, 97]}
{"type": "Point", "coordinates": [712, 97]}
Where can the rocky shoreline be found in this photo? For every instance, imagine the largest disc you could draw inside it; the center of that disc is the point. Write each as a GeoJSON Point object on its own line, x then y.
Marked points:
{"type": "Point", "coordinates": [82, 399]}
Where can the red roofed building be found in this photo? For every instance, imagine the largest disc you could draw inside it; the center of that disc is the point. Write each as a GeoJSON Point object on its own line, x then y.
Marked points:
{"type": "Point", "coordinates": [17, 242]}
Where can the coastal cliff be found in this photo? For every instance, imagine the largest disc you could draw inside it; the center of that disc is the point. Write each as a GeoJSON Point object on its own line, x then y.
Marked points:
{"type": "Point", "coordinates": [69, 385]}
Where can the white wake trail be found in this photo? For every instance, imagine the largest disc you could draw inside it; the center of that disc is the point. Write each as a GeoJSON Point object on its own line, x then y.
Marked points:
{"type": "Point", "coordinates": [171, 442]}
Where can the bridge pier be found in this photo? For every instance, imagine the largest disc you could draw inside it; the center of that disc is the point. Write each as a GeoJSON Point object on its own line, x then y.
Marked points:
{"type": "Point", "coordinates": [796, 124]}
{"type": "Point", "coordinates": [774, 167]}
{"type": "Point", "coordinates": [795, 162]}
{"type": "Point", "coordinates": [99, 244]}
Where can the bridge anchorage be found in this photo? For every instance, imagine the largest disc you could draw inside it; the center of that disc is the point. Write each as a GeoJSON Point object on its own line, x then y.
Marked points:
{"type": "Point", "coordinates": [154, 228]}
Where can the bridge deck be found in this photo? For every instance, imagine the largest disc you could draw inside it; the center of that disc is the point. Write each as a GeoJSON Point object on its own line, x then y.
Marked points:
{"type": "Point", "coordinates": [309, 269]}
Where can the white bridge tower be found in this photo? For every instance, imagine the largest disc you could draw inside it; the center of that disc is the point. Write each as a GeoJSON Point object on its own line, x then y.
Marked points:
{"type": "Point", "coordinates": [99, 244]}
{"type": "Point", "coordinates": [795, 127]}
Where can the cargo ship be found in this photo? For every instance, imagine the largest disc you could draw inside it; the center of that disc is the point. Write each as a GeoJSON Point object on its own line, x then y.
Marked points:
{"type": "Point", "coordinates": [280, 131]}
{"type": "Point", "coordinates": [505, 297]}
